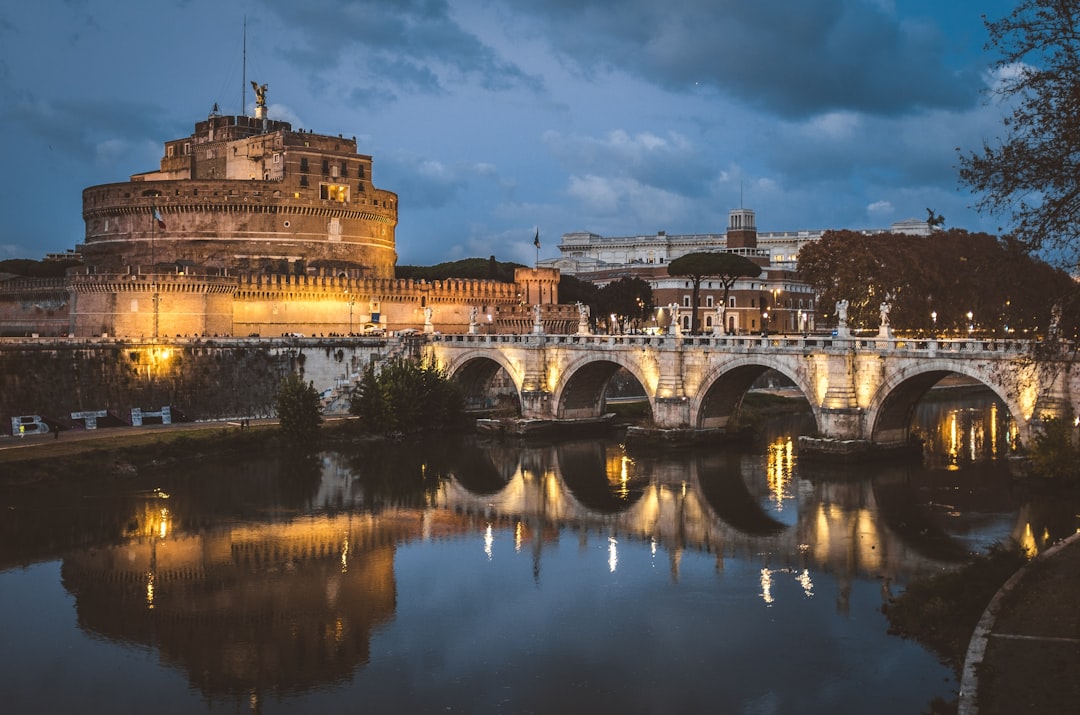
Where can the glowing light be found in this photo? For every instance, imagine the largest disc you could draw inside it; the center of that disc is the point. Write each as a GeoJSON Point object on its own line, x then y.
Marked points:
{"type": "Point", "coordinates": [149, 590]}
{"type": "Point", "coordinates": [163, 525]}
{"type": "Point", "coordinates": [806, 582]}
{"type": "Point", "coordinates": [345, 554]}
{"type": "Point", "coordinates": [519, 536]}
{"type": "Point", "coordinates": [781, 462]}
{"type": "Point", "coordinates": [613, 553]}
{"type": "Point", "coordinates": [766, 586]}
{"type": "Point", "coordinates": [489, 540]}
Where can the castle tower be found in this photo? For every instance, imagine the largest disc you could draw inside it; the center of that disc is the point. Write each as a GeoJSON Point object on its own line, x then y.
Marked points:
{"type": "Point", "coordinates": [742, 232]}
{"type": "Point", "coordinates": [246, 194]}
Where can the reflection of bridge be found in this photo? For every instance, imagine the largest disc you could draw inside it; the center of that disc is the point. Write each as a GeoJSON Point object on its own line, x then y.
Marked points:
{"type": "Point", "coordinates": [859, 389]}
{"type": "Point", "coordinates": [707, 502]}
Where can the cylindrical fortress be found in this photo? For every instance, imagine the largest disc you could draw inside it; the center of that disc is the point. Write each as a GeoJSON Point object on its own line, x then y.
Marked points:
{"type": "Point", "coordinates": [249, 194]}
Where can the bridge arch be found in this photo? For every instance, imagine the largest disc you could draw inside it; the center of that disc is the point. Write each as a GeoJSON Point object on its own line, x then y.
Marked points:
{"type": "Point", "coordinates": [580, 388]}
{"type": "Point", "coordinates": [892, 407]}
{"type": "Point", "coordinates": [474, 370]}
{"type": "Point", "coordinates": [723, 388]}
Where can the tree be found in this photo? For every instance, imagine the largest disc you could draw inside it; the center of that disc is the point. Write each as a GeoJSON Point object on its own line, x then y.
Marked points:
{"type": "Point", "coordinates": [725, 267]}
{"type": "Point", "coordinates": [1031, 175]}
{"type": "Point", "coordinates": [406, 396]}
{"type": "Point", "coordinates": [629, 298]}
{"type": "Point", "coordinates": [298, 409]}
{"type": "Point", "coordinates": [933, 281]}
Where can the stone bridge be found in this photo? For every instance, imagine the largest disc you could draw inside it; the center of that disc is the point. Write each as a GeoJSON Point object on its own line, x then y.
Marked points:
{"type": "Point", "coordinates": [860, 389]}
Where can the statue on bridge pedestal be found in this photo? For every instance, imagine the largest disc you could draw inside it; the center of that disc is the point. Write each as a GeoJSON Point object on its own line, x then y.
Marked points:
{"type": "Point", "coordinates": [719, 327]}
{"type": "Point", "coordinates": [538, 327]}
{"type": "Point", "coordinates": [428, 327]}
{"type": "Point", "coordinates": [583, 319]}
{"type": "Point", "coordinates": [473, 313]}
{"type": "Point", "coordinates": [841, 319]}
{"type": "Point", "coordinates": [885, 331]}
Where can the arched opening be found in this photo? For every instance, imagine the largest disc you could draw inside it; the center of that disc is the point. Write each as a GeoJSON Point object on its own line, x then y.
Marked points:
{"type": "Point", "coordinates": [487, 388]}
{"type": "Point", "coordinates": [749, 389]}
{"type": "Point", "coordinates": [603, 387]}
{"type": "Point", "coordinates": [957, 418]}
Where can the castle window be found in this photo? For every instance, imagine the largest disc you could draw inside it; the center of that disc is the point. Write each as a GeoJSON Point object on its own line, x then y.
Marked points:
{"type": "Point", "coordinates": [334, 192]}
{"type": "Point", "coordinates": [686, 301]}
{"type": "Point", "coordinates": [360, 171]}
{"type": "Point", "coordinates": [325, 167]}
{"type": "Point", "coordinates": [334, 172]}
{"type": "Point", "coordinates": [708, 301]}
{"type": "Point", "coordinates": [303, 164]}
{"type": "Point", "coordinates": [303, 181]}
{"type": "Point", "coordinates": [344, 169]}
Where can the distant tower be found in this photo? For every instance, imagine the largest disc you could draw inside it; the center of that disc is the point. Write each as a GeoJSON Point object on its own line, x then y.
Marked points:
{"type": "Point", "coordinates": [741, 232]}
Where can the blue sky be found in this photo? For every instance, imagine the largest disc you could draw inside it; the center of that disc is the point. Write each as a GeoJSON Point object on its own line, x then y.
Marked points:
{"type": "Point", "coordinates": [492, 118]}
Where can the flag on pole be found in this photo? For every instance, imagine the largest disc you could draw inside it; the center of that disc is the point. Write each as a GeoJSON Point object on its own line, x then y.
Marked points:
{"type": "Point", "coordinates": [536, 239]}
{"type": "Point", "coordinates": [157, 217]}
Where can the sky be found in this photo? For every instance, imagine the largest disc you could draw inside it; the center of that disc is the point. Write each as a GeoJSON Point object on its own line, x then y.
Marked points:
{"type": "Point", "coordinates": [494, 119]}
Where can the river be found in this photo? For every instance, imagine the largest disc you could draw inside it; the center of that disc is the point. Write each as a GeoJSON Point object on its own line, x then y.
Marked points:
{"type": "Point", "coordinates": [457, 575]}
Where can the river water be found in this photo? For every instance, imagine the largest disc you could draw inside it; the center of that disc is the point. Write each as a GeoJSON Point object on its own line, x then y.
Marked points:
{"type": "Point", "coordinates": [455, 575]}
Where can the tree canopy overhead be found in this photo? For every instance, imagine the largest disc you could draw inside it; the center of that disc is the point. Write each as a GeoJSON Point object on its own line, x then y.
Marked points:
{"type": "Point", "coordinates": [945, 274]}
{"type": "Point", "coordinates": [725, 267]}
{"type": "Point", "coordinates": [1030, 175]}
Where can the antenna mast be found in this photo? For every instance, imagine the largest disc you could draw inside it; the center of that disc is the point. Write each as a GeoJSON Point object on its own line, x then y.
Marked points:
{"type": "Point", "coordinates": [243, 77]}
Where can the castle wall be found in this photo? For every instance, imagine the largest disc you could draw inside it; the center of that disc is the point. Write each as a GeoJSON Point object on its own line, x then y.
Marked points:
{"type": "Point", "coordinates": [238, 225]}
{"type": "Point", "coordinates": [199, 379]}
{"type": "Point", "coordinates": [34, 305]}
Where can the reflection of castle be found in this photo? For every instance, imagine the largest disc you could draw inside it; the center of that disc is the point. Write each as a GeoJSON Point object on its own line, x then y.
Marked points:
{"type": "Point", "coordinates": [252, 227]}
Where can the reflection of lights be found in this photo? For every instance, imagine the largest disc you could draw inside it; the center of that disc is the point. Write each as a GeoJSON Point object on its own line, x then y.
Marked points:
{"type": "Point", "coordinates": [806, 582]}
{"type": "Point", "coordinates": [1027, 542]}
{"type": "Point", "coordinates": [652, 547]}
{"type": "Point", "coordinates": [163, 525]}
{"type": "Point", "coordinates": [619, 470]}
{"type": "Point", "coordinates": [345, 554]}
{"type": "Point", "coordinates": [778, 472]}
{"type": "Point", "coordinates": [149, 590]}
{"type": "Point", "coordinates": [766, 586]}
{"type": "Point", "coordinates": [612, 553]}
{"type": "Point", "coordinates": [519, 536]}
{"type": "Point", "coordinates": [489, 539]}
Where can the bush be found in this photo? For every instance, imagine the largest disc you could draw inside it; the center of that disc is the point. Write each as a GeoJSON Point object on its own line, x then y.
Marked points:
{"type": "Point", "coordinates": [406, 396]}
{"type": "Point", "coordinates": [1054, 453]}
{"type": "Point", "coordinates": [298, 410]}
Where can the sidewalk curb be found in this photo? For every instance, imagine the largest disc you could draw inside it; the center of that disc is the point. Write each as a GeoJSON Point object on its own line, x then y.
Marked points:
{"type": "Point", "coordinates": [969, 681]}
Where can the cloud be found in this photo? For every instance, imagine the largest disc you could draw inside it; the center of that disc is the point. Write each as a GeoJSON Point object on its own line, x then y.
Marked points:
{"type": "Point", "coordinates": [790, 59]}
{"type": "Point", "coordinates": [417, 43]}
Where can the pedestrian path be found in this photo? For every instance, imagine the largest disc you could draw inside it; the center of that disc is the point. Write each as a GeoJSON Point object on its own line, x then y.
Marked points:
{"type": "Point", "coordinates": [1024, 656]}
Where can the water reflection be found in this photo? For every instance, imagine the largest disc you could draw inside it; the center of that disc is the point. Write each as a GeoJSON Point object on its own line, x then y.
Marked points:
{"type": "Point", "coordinates": [274, 578]}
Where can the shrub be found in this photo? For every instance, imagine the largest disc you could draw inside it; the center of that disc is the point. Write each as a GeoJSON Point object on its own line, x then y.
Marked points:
{"type": "Point", "coordinates": [406, 396]}
{"type": "Point", "coordinates": [298, 409]}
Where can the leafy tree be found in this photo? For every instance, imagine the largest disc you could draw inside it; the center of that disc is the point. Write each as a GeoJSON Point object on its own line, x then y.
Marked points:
{"type": "Point", "coordinates": [406, 396]}
{"type": "Point", "coordinates": [37, 269]}
{"type": "Point", "coordinates": [298, 409]}
{"type": "Point", "coordinates": [479, 268]}
{"type": "Point", "coordinates": [725, 267]}
{"type": "Point", "coordinates": [945, 275]}
{"type": "Point", "coordinates": [629, 298]}
{"type": "Point", "coordinates": [1030, 175]}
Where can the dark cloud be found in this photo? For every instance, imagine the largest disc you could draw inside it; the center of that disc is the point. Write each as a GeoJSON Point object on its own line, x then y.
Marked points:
{"type": "Point", "coordinates": [795, 59]}
{"type": "Point", "coordinates": [413, 43]}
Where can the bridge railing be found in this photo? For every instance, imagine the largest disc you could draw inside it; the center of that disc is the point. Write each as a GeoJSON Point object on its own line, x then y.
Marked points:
{"type": "Point", "coordinates": [745, 343]}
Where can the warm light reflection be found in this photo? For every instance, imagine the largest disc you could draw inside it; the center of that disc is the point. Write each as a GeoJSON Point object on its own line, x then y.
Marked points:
{"type": "Point", "coordinates": [806, 582]}
{"type": "Point", "coordinates": [619, 469]}
{"type": "Point", "coordinates": [766, 586]}
{"type": "Point", "coordinates": [489, 540]}
{"type": "Point", "coordinates": [613, 553]}
{"type": "Point", "coordinates": [781, 463]}
{"type": "Point", "coordinates": [345, 554]}
{"type": "Point", "coordinates": [149, 590]}
{"type": "Point", "coordinates": [519, 536]}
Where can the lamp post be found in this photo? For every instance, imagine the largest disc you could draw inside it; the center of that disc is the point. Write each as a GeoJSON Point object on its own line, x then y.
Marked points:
{"type": "Point", "coordinates": [971, 325]}
{"type": "Point", "coordinates": [764, 323]}
{"type": "Point", "coordinates": [933, 318]}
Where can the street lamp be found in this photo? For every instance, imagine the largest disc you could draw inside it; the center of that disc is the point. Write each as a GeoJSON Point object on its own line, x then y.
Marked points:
{"type": "Point", "coordinates": [971, 325]}
{"type": "Point", "coordinates": [764, 323]}
{"type": "Point", "coordinates": [933, 317]}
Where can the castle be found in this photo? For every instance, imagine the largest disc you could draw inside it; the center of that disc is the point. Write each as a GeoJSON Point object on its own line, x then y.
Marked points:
{"type": "Point", "coordinates": [249, 227]}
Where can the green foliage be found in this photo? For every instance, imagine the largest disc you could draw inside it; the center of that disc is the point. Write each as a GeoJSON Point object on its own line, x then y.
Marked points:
{"type": "Point", "coordinates": [298, 410]}
{"type": "Point", "coordinates": [948, 273]}
{"type": "Point", "coordinates": [1028, 174]}
{"type": "Point", "coordinates": [478, 268]}
{"type": "Point", "coordinates": [574, 290]}
{"type": "Point", "coordinates": [629, 298]}
{"type": "Point", "coordinates": [1054, 453]}
{"type": "Point", "coordinates": [406, 396]}
{"type": "Point", "coordinates": [725, 267]}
